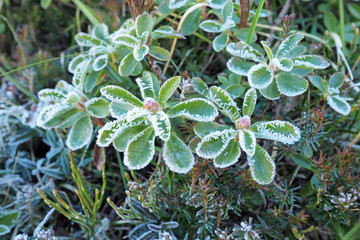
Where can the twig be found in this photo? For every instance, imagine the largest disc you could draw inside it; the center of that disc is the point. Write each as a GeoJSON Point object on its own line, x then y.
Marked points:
{"type": "Point", "coordinates": [278, 20]}
{"type": "Point", "coordinates": [156, 68]}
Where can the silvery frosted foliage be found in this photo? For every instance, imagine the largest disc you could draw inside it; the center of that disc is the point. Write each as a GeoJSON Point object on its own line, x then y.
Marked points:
{"type": "Point", "coordinates": [138, 122]}
{"type": "Point", "coordinates": [218, 4]}
{"type": "Point", "coordinates": [138, 38]}
{"type": "Point", "coordinates": [331, 92]}
{"type": "Point", "coordinates": [68, 107]}
{"type": "Point", "coordinates": [283, 70]}
{"type": "Point", "coordinates": [224, 143]}
{"type": "Point", "coordinates": [221, 26]}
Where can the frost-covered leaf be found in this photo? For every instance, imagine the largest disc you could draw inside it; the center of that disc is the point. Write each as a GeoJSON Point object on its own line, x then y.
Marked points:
{"type": "Point", "coordinates": [140, 150]}
{"type": "Point", "coordinates": [249, 102]}
{"type": "Point", "coordinates": [227, 11]}
{"type": "Point", "coordinates": [146, 85]}
{"type": "Point", "coordinates": [161, 125]}
{"type": "Point", "coordinates": [229, 156]}
{"type": "Point", "coordinates": [144, 23]}
{"type": "Point", "coordinates": [311, 62]}
{"type": "Point", "coordinates": [276, 130]}
{"type": "Point", "coordinates": [242, 50]}
{"type": "Point", "coordinates": [295, 52]}
{"type": "Point", "coordinates": [288, 44]}
{"type": "Point", "coordinates": [173, 4]}
{"type": "Point", "coordinates": [76, 61]}
{"type": "Point", "coordinates": [100, 62]}
{"type": "Point", "coordinates": [319, 83]}
{"type": "Point", "coordinates": [124, 136]}
{"type": "Point", "coordinates": [191, 22]}
{"type": "Point", "coordinates": [220, 41]}
{"type": "Point", "coordinates": [284, 64]}
{"type": "Point", "coordinates": [215, 143]}
{"type": "Point", "coordinates": [336, 80]}
{"type": "Point", "coordinates": [120, 95]}
{"type": "Point", "coordinates": [97, 107]}
{"type": "Point", "coordinates": [290, 84]}
{"type": "Point", "coordinates": [177, 155]}
{"type": "Point", "coordinates": [4, 229]}
{"type": "Point", "coordinates": [80, 73]}
{"type": "Point", "coordinates": [271, 92]}
{"type": "Point", "coordinates": [127, 65]}
{"type": "Point", "coordinates": [202, 129]}
{"type": "Point", "coordinates": [52, 116]}
{"type": "Point", "coordinates": [140, 51]}
{"type": "Point", "coordinates": [218, 4]}
{"type": "Point", "coordinates": [91, 80]}
{"type": "Point", "coordinates": [80, 134]}
{"type": "Point", "coordinates": [247, 141]}
{"type": "Point", "coordinates": [201, 87]}
{"type": "Point", "coordinates": [223, 100]}
{"type": "Point", "coordinates": [235, 90]}
{"type": "Point", "coordinates": [136, 113]}
{"type": "Point", "coordinates": [339, 104]}
{"type": "Point", "coordinates": [260, 76]}
{"type": "Point", "coordinates": [119, 110]}
{"type": "Point", "coordinates": [211, 26]}
{"type": "Point", "coordinates": [47, 95]}
{"type": "Point", "coordinates": [166, 32]}
{"type": "Point", "coordinates": [168, 88]}
{"type": "Point", "coordinates": [268, 50]}
{"type": "Point", "coordinates": [238, 66]}
{"type": "Point", "coordinates": [197, 109]}
{"type": "Point", "coordinates": [193, 143]}
{"type": "Point", "coordinates": [126, 40]}
{"type": "Point", "coordinates": [262, 166]}
{"type": "Point", "coordinates": [100, 31]}
{"type": "Point", "coordinates": [159, 53]}
{"type": "Point", "coordinates": [86, 40]}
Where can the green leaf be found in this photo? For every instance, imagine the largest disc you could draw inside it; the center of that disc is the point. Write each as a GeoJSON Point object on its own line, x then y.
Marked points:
{"type": "Point", "coordinates": [86, 40]}
{"type": "Point", "coordinates": [146, 85]}
{"type": "Point", "coordinates": [91, 80]}
{"type": "Point", "coordinates": [140, 52]}
{"type": "Point", "coordinates": [193, 143]}
{"type": "Point", "coordinates": [161, 125]}
{"type": "Point", "coordinates": [303, 161]}
{"type": "Point", "coordinates": [267, 50]}
{"type": "Point", "coordinates": [119, 110]}
{"type": "Point", "coordinates": [238, 66]}
{"type": "Point", "coordinates": [120, 95]}
{"type": "Point", "coordinates": [262, 167]}
{"type": "Point", "coordinates": [53, 116]}
{"type": "Point", "coordinates": [80, 134]}
{"type": "Point", "coordinates": [140, 150]}
{"type": "Point", "coordinates": [243, 34]}
{"type": "Point", "coordinates": [223, 100]}
{"type": "Point", "coordinates": [249, 102]}
{"type": "Point", "coordinates": [47, 95]}
{"type": "Point", "coordinates": [166, 32]}
{"type": "Point", "coordinates": [235, 91]}
{"type": "Point", "coordinates": [247, 141]}
{"type": "Point", "coordinates": [197, 109]}
{"type": "Point", "coordinates": [218, 4]}
{"type": "Point", "coordinates": [227, 11]}
{"type": "Point", "coordinates": [339, 104]}
{"type": "Point", "coordinates": [202, 129]}
{"type": "Point", "coordinates": [9, 218]}
{"type": "Point", "coordinates": [215, 143]}
{"type": "Point", "coordinates": [127, 65]}
{"type": "Point", "coordinates": [45, 3]}
{"type": "Point", "coordinates": [337, 80]}
{"type": "Point", "coordinates": [126, 40]}
{"type": "Point", "coordinates": [212, 26]}
{"type": "Point", "coordinates": [288, 44]}
{"type": "Point", "coordinates": [295, 52]}
{"type": "Point", "coordinates": [201, 87]}
{"type": "Point", "coordinates": [123, 137]}
{"type": "Point", "coordinates": [271, 92]}
{"type": "Point", "coordinates": [168, 88]}
{"type": "Point", "coordinates": [159, 53]}
{"type": "Point", "coordinates": [229, 156]}
{"type": "Point", "coordinates": [331, 22]}
{"type": "Point", "coordinates": [354, 9]}
{"type": "Point", "coordinates": [174, 4]}
{"type": "Point", "coordinates": [144, 23]}
{"type": "Point", "coordinates": [177, 155]}
{"type": "Point", "coordinates": [80, 73]}
{"type": "Point", "coordinates": [242, 50]}
{"type": "Point", "coordinates": [100, 31]}
{"type": "Point", "coordinates": [220, 41]}
{"type": "Point", "coordinates": [191, 22]}
{"type": "Point", "coordinates": [290, 84]}
{"type": "Point", "coordinates": [4, 230]}
{"type": "Point", "coordinates": [277, 130]}
{"type": "Point", "coordinates": [100, 62]}
{"type": "Point", "coordinates": [76, 61]}
{"type": "Point", "coordinates": [97, 107]}
{"type": "Point", "coordinates": [311, 62]}
{"type": "Point", "coordinates": [284, 64]}
{"type": "Point", "coordinates": [319, 83]}
{"type": "Point", "coordinates": [260, 76]}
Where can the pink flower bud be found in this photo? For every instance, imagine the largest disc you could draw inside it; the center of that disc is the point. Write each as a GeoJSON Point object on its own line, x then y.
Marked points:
{"type": "Point", "coordinates": [151, 105]}
{"type": "Point", "coordinates": [244, 122]}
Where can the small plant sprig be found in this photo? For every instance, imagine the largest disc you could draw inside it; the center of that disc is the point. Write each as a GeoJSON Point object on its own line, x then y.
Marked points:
{"type": "Point", "coordinates": [223, 144]}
